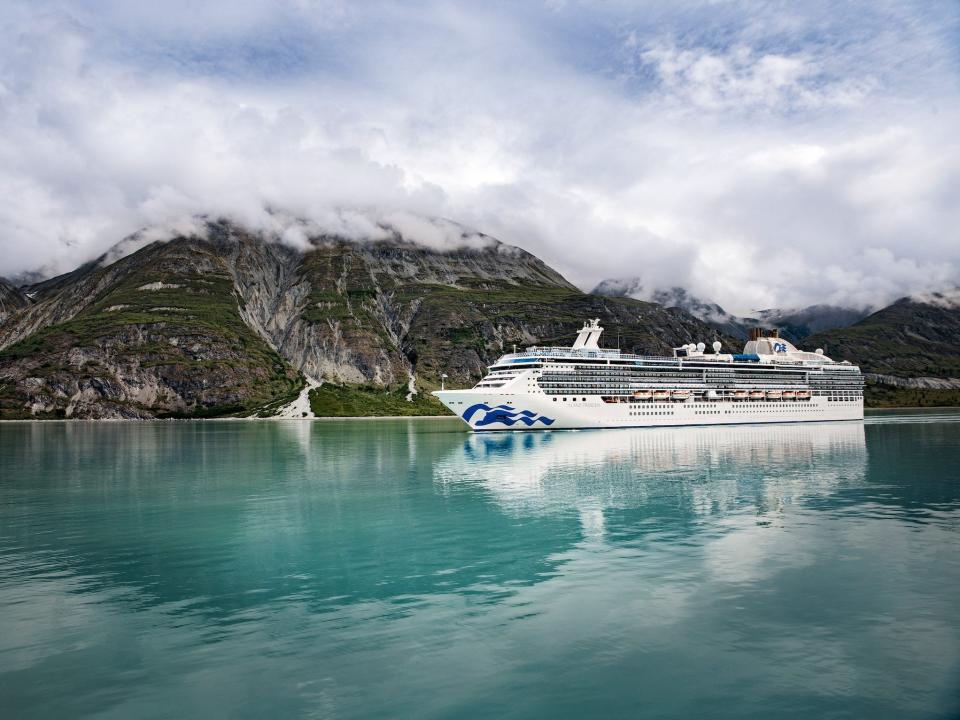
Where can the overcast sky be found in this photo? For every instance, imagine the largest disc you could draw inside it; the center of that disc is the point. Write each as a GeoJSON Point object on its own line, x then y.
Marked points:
{"type": "Point", "coordinates": [760, 154]}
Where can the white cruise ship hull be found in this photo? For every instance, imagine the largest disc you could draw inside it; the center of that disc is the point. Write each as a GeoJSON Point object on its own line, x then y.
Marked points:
{"type": "Point", "coordinates": [486, 411]}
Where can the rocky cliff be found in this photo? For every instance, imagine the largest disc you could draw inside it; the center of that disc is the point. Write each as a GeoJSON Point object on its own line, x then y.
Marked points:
{"type": "Point", "coordinates": [227, 321]}
{"type": "Point", "coordinates": [159, 333]}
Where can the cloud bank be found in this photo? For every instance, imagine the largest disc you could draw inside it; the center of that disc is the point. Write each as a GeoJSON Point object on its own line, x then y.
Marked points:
{"type": "Point", "coordinates": [761, 155]}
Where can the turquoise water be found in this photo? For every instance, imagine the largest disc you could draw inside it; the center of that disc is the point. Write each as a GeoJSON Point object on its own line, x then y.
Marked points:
{"type": "Point", "coordinates": [363, 569]}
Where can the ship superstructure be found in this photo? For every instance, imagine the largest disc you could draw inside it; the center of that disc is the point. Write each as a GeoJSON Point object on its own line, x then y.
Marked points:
{"type": "Point", "coordinates": [586, 386]}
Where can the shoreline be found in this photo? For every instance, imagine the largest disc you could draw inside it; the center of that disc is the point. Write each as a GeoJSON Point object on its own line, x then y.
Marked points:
{"type": "Point", "coordinates": [230, 419]}
{"type": "Point", "coordinates": [911, 407]}
{"type": "Point", "coordinates": [348, 417]}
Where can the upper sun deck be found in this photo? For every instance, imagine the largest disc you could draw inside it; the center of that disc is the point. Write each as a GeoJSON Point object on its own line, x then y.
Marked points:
{"type": "Point", "coordinates": [540, 354]}
{"type": "Point", "coordinates": [771, 351]}
{"type": "Point", "coordinates": [533, 353]}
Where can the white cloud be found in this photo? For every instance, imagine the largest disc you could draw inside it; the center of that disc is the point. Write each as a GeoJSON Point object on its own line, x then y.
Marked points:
{"type": "Point", "coordinates": [949, 299]}
{"type": "Point", "coordinates": [790, 159]}
{"type": "Point", "coordinates": [742, 80]}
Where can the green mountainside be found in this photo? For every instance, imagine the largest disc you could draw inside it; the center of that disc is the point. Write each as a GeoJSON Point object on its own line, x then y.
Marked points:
{"type": "Point", "coordinates": [226, 323]}
{"type": "Point", "coordinates": [909, 351]}
{"type": "Point", "coordinates": [163, 337]}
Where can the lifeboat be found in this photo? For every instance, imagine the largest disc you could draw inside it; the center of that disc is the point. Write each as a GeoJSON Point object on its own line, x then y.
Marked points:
{"type": "Point", "coordinates": [803, 394]}
{"type": "Point", "coordinates": [756, 394]}
{"type": "Point", "coordinates": [789, 395]}
{"type": "Point", "coordinates": [661, 395]}
{"type": "Point", "coordinates": [681, 394]}
{"type": "Point", "coordinates": [740, 395]}
{"type": "Point", "coordinates": [642, 395]}
{"type": "Point", "coordinates": [711, 395]}
{"type": "Point", "coordinates": [774, 394]}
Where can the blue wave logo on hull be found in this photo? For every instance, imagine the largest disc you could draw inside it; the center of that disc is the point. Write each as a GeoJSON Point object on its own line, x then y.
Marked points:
{"type": "Point", "coordinates": [505, 415]}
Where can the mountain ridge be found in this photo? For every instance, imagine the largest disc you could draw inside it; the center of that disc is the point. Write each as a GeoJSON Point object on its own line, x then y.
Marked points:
{"type": "Point", "coordinates": [230, 320]}
{"type": "Point", "coordinates": [908, 340]}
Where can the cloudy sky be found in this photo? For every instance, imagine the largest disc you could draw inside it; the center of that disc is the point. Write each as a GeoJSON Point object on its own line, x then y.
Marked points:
{"type": "Point", "coordinates": [761, 154]}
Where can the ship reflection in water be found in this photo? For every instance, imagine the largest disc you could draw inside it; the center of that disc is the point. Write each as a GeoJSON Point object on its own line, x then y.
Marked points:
{"type": "Point", "coordinates": [407, 569]}
{"type": "Point", "coordinates": [705, 470]}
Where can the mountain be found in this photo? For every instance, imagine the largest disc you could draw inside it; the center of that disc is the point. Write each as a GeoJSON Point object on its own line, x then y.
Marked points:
{"type": "Point", "coordinates": [228, 321]}
{"type": "Point", "coordinates": [909, 350]}
{"type": "Point", "coordinates": [677, 297]}
{"type": "Point", "coordinates": [800, 323]}
{"type": "Point", "coordinates": [12, 299]}
{"type": "Point", "coordinates": [795, 324]}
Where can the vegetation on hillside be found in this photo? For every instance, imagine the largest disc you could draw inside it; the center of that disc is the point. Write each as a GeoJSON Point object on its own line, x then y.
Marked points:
{"type": "Point", "coordinates": [170, 324]}
{"type": "Point", "coordinates": [906, 339]}
{"type": "Point", "coordinates": [885, 396]}
{"type": "Point", "coordinates": [370, 401]}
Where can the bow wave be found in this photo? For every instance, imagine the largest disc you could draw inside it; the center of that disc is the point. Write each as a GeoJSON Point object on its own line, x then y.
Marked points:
{"type": "Point", "coordinates": [505, 415]}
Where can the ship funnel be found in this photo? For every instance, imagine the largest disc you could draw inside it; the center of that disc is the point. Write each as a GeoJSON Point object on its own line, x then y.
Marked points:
{"type": "Point", "coordinates": [589, 335]}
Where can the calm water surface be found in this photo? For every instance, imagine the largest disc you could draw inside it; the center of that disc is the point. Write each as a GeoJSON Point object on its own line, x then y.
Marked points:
{"type": "Point", "coordinates": [364, 569]}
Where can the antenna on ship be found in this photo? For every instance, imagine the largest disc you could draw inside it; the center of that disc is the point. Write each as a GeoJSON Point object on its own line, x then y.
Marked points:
{"type": "Point", "coordinates": [443, 376]}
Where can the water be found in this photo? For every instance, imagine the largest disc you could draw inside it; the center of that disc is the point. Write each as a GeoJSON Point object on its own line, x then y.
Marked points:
{"type": "Point", "coordinates": [409, 569]}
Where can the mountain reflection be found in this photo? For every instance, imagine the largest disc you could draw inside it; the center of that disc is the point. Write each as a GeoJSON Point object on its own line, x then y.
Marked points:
{"type": "Point", "coordinates": [221, 518]}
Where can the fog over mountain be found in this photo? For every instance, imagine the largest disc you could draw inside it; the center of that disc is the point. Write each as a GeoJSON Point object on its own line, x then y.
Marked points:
{"type": "Point", "coordinates": [795, 323]}
{"type": "Point", "coordinates": [762, 155]}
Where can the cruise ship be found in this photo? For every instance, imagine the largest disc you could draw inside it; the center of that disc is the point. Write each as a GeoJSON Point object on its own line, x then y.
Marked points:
{"type": "Point", "coordinates": [586, 386]}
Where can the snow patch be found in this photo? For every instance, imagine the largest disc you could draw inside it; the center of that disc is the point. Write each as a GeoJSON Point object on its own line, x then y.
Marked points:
{"type": "Point", "coordinates": [159, 286]}
{"type": "Point", "coordinates": [411, 386]}
{"type": "Point", "coordinates": [300, 408]}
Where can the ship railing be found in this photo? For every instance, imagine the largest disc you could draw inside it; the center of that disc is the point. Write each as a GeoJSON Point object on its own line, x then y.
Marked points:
{"type": "Point", "coordinates": [534, 353]}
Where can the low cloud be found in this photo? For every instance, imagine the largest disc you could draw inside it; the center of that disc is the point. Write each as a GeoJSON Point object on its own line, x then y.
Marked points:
{"type": "Point", "coordinates": [303, 234]}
